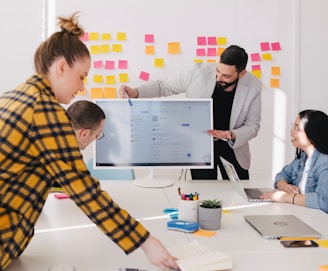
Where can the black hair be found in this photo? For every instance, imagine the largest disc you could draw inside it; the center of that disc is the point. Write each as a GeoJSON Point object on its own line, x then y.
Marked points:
{"type": "Point", "coordinates": [235, 56]}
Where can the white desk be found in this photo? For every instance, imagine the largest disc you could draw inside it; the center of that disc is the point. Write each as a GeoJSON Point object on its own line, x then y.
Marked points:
{"type": "Point", "coordinates": [90, 250]}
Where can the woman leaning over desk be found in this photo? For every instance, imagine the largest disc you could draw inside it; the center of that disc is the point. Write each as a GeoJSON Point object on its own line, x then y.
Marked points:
{"type": "Point", "coordinates": [38, 146]}
{"type": "Point", "coordinates": [305, 180]}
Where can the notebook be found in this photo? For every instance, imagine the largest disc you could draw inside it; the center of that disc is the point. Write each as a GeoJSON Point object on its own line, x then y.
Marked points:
{"type": "Point", "coordinates": [281, 227]}
{"type": "Point", "coordinates": [250, 194]}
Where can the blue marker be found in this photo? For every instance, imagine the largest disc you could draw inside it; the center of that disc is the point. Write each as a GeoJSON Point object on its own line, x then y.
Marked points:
{"type": "Point", "coordinates": [129, 100]}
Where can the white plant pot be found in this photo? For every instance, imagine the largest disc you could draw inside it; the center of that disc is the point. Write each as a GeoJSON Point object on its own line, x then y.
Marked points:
{"type": "Point", "coordinates": [209, 218]}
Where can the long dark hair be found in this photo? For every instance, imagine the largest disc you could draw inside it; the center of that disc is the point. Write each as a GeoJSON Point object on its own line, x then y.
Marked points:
{"type": "Point", "coordinates": [315, 125]}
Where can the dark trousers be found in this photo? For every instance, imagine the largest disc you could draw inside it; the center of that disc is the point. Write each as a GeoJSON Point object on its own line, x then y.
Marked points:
{"type": "Point", "coordinates": [221, 148]}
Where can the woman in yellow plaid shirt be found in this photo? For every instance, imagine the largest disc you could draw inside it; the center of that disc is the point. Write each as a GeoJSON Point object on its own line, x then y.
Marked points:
{"type": "Point", "coordinates": [38, 146]}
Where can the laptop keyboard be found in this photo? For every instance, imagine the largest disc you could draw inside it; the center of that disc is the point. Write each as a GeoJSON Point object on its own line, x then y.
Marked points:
{"type": "Point", "coordinates": [253, 193]}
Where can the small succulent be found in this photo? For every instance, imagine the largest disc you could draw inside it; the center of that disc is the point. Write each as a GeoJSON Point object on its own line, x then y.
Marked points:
{"type": "Point", "coordinates": [211, 203]}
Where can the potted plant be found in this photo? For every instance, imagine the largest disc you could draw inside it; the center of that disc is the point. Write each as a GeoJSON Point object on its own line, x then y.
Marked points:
{"type": "Point", "coordinates": [210, 213]}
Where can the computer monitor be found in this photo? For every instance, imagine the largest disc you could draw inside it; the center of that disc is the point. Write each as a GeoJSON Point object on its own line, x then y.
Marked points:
{"type": "Point", "coordinates": [155, 133]}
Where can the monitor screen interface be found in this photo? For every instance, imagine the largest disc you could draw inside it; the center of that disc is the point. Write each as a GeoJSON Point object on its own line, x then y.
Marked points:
{"type": "Point", "coordinates": [158, 132]}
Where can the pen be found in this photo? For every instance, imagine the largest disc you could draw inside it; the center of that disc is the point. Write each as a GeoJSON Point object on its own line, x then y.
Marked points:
{"type": "Point", "coordinates": [129, 100]}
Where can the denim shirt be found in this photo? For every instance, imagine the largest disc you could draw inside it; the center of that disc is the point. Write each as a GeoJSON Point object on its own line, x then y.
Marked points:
{"type": "Point", "coordinates": [316, 189]}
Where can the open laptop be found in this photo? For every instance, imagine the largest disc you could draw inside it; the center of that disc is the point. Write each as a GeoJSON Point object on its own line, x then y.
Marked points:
{"type": "Point", "coordinates": [281, 226]}
{"type": "Point", "coordinates": [250, 194]}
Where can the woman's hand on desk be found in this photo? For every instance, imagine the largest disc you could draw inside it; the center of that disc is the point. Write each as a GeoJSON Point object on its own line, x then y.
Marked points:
{"type": "Point", "coordinates": [158, 254]}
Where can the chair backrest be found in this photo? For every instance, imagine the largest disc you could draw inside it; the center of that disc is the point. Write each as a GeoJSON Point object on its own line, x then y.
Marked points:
{"type": "Point", "coordinates": [110, 174]}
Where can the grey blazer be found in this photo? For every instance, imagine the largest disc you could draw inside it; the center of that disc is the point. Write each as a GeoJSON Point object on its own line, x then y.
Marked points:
{"type": "Point", "coordinates": [199, 82]}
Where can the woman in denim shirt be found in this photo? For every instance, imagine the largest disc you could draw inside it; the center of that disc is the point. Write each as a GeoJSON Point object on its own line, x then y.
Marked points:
{"type": "Point", "coordinates": [305, 180]}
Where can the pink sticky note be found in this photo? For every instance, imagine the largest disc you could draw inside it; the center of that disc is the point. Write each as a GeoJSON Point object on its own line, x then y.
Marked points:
{"type": "Point", "coordinates": [211, 41]}
{"type": "Point", "coordinates": [85, 37]}
{"type": "Point", "coordinates": [265, 46]}
{"type": "Point", "coordinates": [109, 65]}
{"type": "Point", "coordinates": [256, 67]}
{"type": "Point", "coordinates": [211, 52]}
{"type": "Point", "coordinates": [149, 38]}
{"type": "Point", "coordinates": [275, 46]}
{"type": "Point", "coordinates": [98, 64]}
{"type": "Point", "coordinates": [256, 57]}
{"type": "Point", "coordinates": [122, 64]}
{"type": "Point", "coordinates": [200, 52]}
{"type": "Point", "coordinates": [144, 76]}
{"type": "Point", "coordinates": [201, 40]}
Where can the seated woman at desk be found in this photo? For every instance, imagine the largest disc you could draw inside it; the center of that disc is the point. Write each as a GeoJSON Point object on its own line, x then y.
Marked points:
{"type": "Point", "coordinates": [305, 180]}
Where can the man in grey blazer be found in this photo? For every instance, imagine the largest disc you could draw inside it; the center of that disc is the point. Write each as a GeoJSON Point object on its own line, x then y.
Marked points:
{"type": "Point", "coordinates": [236, 97]}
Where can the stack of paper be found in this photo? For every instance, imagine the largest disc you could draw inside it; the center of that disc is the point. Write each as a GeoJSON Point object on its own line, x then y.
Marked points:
{"type": "Point", "coordinates": [196, 257]}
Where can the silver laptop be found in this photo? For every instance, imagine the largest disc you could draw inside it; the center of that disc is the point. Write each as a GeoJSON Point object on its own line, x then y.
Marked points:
{"type": "Point", "coordinates": [250, 194]}
{"type": "Point", "coordinates": [281, 226]}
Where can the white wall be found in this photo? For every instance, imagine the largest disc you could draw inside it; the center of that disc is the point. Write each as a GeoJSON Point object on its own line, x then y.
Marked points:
{"type": "Point", "coordinates": [299, 25]}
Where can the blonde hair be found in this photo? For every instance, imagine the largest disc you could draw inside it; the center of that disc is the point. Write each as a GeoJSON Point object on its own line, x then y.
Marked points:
{"type": "Point", "coordinates": [65, 43]}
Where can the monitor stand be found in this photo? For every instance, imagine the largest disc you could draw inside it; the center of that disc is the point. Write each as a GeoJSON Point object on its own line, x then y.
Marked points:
{"type": "Point", "coordinates": [151, 181]}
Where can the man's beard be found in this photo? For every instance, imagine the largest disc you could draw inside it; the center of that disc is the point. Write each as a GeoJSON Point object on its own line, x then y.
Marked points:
{"type": "Point", "coordinates": [224, 85]}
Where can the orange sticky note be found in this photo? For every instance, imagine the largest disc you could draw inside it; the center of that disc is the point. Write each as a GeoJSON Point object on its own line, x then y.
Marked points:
{"type": "Point", "coordinates": [173, 48]}
{"type": "Point", "coordinates": [275, 71]}
{"type": "Point", "coordinates": [323, 267]}
{"type": "Point", "coordinates": [109, 92]}
{"type": "Point", "coordinates": [96, 93]}
{"type": "Point", "coordinates": [204, 233]}
{"type": "Point", "coordinates": [220, 51]}
{"type": "Point", "coordinates": [149, 50]}
{"type": "Point", "coordinates": [274, 83]}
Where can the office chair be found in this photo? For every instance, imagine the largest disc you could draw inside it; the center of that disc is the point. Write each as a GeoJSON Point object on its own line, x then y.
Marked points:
{"type": "Point", "coordinates": [110, 174]}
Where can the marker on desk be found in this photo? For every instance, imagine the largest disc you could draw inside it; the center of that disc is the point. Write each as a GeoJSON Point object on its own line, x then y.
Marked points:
{"type": "Point", "coordinates": [129, 100]}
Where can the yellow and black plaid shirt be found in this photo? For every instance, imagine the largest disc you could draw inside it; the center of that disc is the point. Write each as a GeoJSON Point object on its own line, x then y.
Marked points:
{"type": "Point", "coordinates": [37, 147]}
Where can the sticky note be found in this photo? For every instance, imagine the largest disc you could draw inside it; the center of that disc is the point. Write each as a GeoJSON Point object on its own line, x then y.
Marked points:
{"type": "Point", "coordinates": [322, 243]}
{"type": "Point", "coordinates": [275, 46]}
{"type": "Point", "coordinates": [256, 67]}
{"type": "Point", "coordinates": [159, 62]}
{"type": "Point", "coordinates": [211, 52]}
{"type": "Point", "coordinates": [257, 73]}
{"type": "Point", "coordinates": [204, 233]}
{"type": "Point", "coordinates": [144, 76]}
{"type": "Point", "coordinates": [265, 46]}
{"type": "Point", "coordinates": [97, 78]}
{"type": "Point", "coordinates": [201, 40]}
{"type": "Point", "coordinates": [93, 36]}
{"type": "Point", "coordinates": [173, 48]}
{"type": "Point", "coordinates": [122, 64]}
{"type": "Point", "coordinates": [149, 50]}
{"type": "Point", "coordinates": [211, 60]}
{"type": "Point", "coordinates": [109, 92]}
{"type": "Point", "coordinates": [110, 80]}
{"type": "Point", "coordinates": [104, 48]}
{"type": "Point", "coordinates": [123, 77]}
{"type": "Point", "coordinates": [222, 41]}
{"type": "Point", "coordinates": [105, 36]}
{"type": "Point", "coordinates": [61, 196]}
{"type": "Point", "coordinates": [211, 41]}
{"type": "Point", "coordinates": [274, 83]}
{"type": "Point", "coordinates": [255, 57]}
{"type": "Point", "coordinates": [323, 267]}
{"type": "Point", "coordinates": [85, 37]}
{"type": "Point", "coordinates": [149, 38]}
{"type": "Point", "coordinates": [121, 36]}
{"type": "Point", "coordinates": [267, 56]}
{"type": "Point", "coordinates": [220, 51]}
{"type": "Point", "coordinates": [117, 48]}
{"type": "Point", "coordinates": [200, 52]}
{"type": "Point", "coordinates": [198, 60]}
{"type": "Point", "coordinates": [275, 71]}
{"type": "Point", "coordinates": [94, 49]}
{"type": "Point", "coordinates": [98, 64]}
{"type": "Point", "coordinates": [109, 64]}
{"type": "Point", "coordinates": [96, 93]}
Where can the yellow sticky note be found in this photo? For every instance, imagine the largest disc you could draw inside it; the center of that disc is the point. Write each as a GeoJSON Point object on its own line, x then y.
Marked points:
{"type": "Point", "coordinates": [117, 48]}
{"type": "Point", "coordinates": [204, 233]}
{"type": "Point", "coordinates": [159, 62]}
{"type": "Point", "coordinates": [220, 51]}
{"type": "Point", "coordinates": [267, 56]}
{"type": "Point", "coordinates": [121, 36]}
{"type": "Point", "coordinates": [123, 77]}
{"type": "Point", "coordinates": [94, 49]}
{"type": "Point", "coordinates": [322, 243]}
{"type": "Point", "coordinates": [257, 73]}
{"type": "Point", "coordinates": [110, 80]}
{"type": "Point", "coordinates": [96, 93]}
{"type": "Point", "coordinates": [222, 41]}
{"type": "Point", "coordinates": [97, 78]}
{"type": "Point", "coordinates": [93, 36]}
{"type": "Point", "coordinates": [275, 71]}
{"type": "Point", "coordinates": [173, 48]}
{"type": "Point", "coordinates": [105, 36]}
{"type": "Point", "coordinates": [104, 48]}
{"type": "Point", "coordinates": [274, 83]}
{"type": "Point", "coordinates": [109, 92]}
{"type": "Point", "coordinates": [198, 61]}
{"type": "Point", "coordinates": [149, 50]}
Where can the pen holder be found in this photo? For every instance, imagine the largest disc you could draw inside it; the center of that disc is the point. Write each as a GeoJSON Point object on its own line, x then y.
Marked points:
{"type": "Point", "coordinates": [188, 210]}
